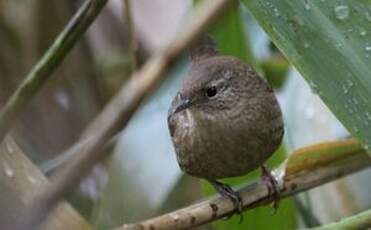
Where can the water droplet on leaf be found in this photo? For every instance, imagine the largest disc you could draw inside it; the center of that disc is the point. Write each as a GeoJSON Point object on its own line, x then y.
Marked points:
{"type": "Point", "coordinates": [314, 87]}
{"type": "Point", "coordinates": [350, 83]}
{"type": "Point", "coordinates": [368, 46]}
{"type": "Point", "coordinates": [368, 116]}
{"type": "Point", "coordinates": [341, 12]}
{"type": "Point", "coordinates": [368, 16]}
{"type": "Point", "coordinates": [362, 32]}
{"type": "Point", "coordinates": [276, 12]}
{"type": "Point", "coordinates": [339, 45]}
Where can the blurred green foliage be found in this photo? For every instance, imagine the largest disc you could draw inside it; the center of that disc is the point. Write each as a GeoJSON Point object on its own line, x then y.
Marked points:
{"type": "Point", "coordinates": [275, 70]}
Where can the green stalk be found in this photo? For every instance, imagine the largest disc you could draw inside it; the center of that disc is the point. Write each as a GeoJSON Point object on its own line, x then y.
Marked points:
{"type": "Point", "coordinates": [359, 221]}
{"type": "Point", "coordinates": [40, 73]}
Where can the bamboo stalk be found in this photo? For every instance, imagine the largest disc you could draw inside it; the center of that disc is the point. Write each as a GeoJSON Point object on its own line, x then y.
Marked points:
{"type": "Point", "coordinates": [360, 221]}
{"type": "Point", "coordinates": [42, 71]}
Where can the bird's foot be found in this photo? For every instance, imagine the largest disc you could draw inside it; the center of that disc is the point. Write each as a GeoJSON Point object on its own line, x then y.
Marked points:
{"type": "Point", "coordinates": [272, 185]}
{"type": "Point", "coordinates": [226, 190]}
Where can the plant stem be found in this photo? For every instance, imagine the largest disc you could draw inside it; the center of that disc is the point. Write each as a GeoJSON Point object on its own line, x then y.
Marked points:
{"type": "Point", "coordinates": [359, 221]}
{"type": "Point", "coordinates": [41, 72]}
{"type": "Point", "coordinates": [132, 46]}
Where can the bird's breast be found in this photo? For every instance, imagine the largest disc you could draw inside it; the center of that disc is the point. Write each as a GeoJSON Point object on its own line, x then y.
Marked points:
{"type": "Point", "coordinates": [184, 128]}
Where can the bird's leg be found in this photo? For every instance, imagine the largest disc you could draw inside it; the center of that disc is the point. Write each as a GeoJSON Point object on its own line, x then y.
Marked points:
{"type": "Point", "coordinates": [273, 187]}
{"type": "Point", "coordinates": [226, 190]}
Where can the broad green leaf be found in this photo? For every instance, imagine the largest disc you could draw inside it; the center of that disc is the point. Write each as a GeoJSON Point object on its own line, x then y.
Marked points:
{"type": "Point", "coordinates": [329, 42]}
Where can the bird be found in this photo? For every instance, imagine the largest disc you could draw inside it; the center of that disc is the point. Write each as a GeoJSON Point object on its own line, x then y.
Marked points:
{"type": "Point", "coordinates": [225, 120]}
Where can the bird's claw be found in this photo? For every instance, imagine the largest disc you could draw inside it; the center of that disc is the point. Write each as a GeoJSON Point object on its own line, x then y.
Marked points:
{"type": "Point", "coordinates": [273, 187]}
{"type": "Point", "coordinates": [227, 191]}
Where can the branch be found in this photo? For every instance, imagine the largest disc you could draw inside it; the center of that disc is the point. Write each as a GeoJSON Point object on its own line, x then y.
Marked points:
{"type": "Point", "coordinates": [132, 46]}
{"type": "Point", "coordinates": [359, 221]}
{"type": "Point", "coordinates": [20, 179]}
{"type": "Point", "coordinates": [40, 73]}
{"type": "Point", "coordinates": [115, 117]}
{"type": "Point", "coordinates": [305, 169]}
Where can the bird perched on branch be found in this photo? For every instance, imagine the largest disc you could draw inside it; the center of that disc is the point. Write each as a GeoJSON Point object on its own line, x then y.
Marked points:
{"type": "Point", "coordinates": [225, 121]}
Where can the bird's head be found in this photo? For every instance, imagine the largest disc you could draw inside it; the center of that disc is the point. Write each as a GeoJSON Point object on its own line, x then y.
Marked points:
{"type": "Point", "coordinates": [213, 87]}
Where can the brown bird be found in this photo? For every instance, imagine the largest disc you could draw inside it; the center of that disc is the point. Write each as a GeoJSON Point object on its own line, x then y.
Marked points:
{"type": "Point", "coordinates": [225, 121]}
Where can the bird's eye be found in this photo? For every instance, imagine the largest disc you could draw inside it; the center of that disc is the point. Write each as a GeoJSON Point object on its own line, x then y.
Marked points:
{"type": "Point", "coordinates": [211, 91]}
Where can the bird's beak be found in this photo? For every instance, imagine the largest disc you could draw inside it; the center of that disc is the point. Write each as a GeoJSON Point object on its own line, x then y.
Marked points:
{"type": "Point", "coordinates": [182, 104]}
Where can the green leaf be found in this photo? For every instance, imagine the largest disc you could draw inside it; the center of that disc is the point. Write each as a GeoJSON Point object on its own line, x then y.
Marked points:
{"type": "Point", "coordinates": [320, 155]}
{"type": "Point", "coordinates": [329, 42]}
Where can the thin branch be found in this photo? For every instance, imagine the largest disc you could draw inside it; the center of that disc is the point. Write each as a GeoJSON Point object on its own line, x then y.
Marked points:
{"type": "Point", "coordinates": [132, 45]}
{"type": "Point", "coordinates": [359, 221]}
{"type": "Point", "coordinates": [115, 116]}
{"type": "Point", "coordinates": [40, 73]}
{"type": "Point", "coordinates": [293, 178]}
